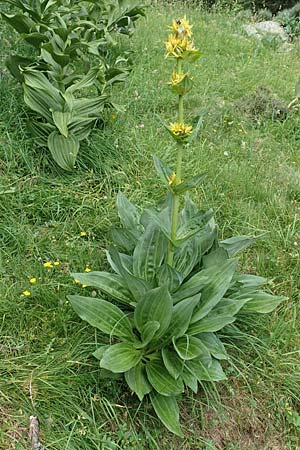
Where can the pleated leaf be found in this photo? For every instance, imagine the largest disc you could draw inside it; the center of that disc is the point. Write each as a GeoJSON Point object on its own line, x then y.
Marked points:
{"type": "Point", "coordinates": [236, 244]}
{"type": "Point", "coordinates": [215, 289]}
{"type": "Point", "coordinates": [182, 313]}
{"type": "Point", "coordinates": [149, 253]}
{"type": "Point", "coordinates": [103, 315]}
{"type": "Point", "coordinates": [109, 283]}
{"type": "Point", "coordinates": [202, 372]}
{"type": "Point", "coordinates": [210, 323]}
{"type": "Point", "coordinates": [128, 212]}
{"type": "Point", "coordinates": [167, 411]}
{"type": "Point", "coordinates": [214, 345]}
{"type": "Point", "coordinates": [63, 149]}
{"type": "Point", "coordinates": [121, 357]}
{"type": "Point", "coordinates": [136, 379]}
{"type": "Point", "coordinates": [172, 362]}
{"type": "Point", "coordinates": [155, 305]}
{"type": "Point", "coordinates": [161, 380]}
{"type": "Point", "coordinates": [262, 302]}
{"type": "Point", "coordinates": [190, 347]}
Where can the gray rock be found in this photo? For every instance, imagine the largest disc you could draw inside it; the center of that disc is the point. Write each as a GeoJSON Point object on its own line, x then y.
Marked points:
{"type": "Point", "coordinates": [266, 28]}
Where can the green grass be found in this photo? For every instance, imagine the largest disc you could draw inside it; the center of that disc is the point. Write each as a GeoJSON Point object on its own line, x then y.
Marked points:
{"type": "Point", "coordinates": [253, 184]}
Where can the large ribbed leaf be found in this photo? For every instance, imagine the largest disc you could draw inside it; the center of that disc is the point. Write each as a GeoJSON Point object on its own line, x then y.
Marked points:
{"type": "Point", "coordinates": [89, 106]}
{"type": "Point", "coordinates": [62, 120]}
{"type": "Point", "coordinates": [155, 305]}
{"type": "Point", "coordinates": [38, 101]}
{"type": "Point", "coordinates": [182, 313]}
{"type": "Point", "coordinates": [214, 290]}
{"type": "Point", "coordinates": [103, 315]}
{"type": "Point", "coordinates": [63, 149]}
{"type": "Point", "coordinates": [214, 372]}
{"type": "Point", "coordinates": [167, 410]}
{"type": "Point", "coordinates": [40, 83]}
{"type": "Point", "coordinates": [14, 63]}
{"type": "Point", "coordinates": [236, 244]}
{"type": "Point", "coordinates": [136, 379]}
{"type": "Point", "coordinates": [149, 331]}
{"type": "Point", "coordinates": [228, 306]}
{"type": "Point", "coordinates": [110, 283]}
{"type": "Point", "coordinates": [163, 171]}
{"type": "Point", "coordinates": [161, 380]}
{"type": "Point", "coordinates": [194, 285]}
{"type": "Point", "coordinates": [149, 253]}
{"type": "Point", "coordinates": [192, 227]}
{"type": "Point", "coordinates": [172, 362]}
{"type": "Point", "coordinates": [19, 22]}
{"type": "Point", "coordinates": [121, 357]}
{"type": "Point", "coordinates": [190, 380]}
{"type": "Point", "coordinates": [214, 345]}
{"type": "Point", "coordinates": [262, 302]}
{"type": "Point", "coordinates": [136, 286]}
{"type": "Point", "coordinates": [210, 323]}
{"type": "Point", "coordinates": [86, 81]}
{"type": "Point", "coordinates": [190, 347]}
{"type": "Point", "coordinates": [169, 276]}
{"type": "Point", "coordinates": [128, 212]}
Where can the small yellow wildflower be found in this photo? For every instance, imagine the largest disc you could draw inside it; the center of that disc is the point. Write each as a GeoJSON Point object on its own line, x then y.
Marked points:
{"type": "Point", "coordinates": [180, 130]}
{"type": "Point", "coordinates": [56, 263]}
{"type": "Point", "coordinates": [83, 233]}
{"type": "Point", "coordinates": [182, 27]}
{"type": "Point", "coordinates": [48, 264]}
{"type": "Point", "coordinates": [76, 281]}
{"type": "Point", "coordinates": [84, 286]}
{"type": "Point", "coordinates": [172, 179]}
{"type": "Point", "coordinates": [113, 116]}
{"type": "Point", "coordinates": [26, 293]}
{"type": "Point", "coordinates": [32, 280]}
{"type": "Point", "coordinates": [87, 269]}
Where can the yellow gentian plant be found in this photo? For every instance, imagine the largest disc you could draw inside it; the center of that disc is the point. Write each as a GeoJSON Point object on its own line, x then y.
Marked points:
{"type": "Point", "coordinates": [175, 282]}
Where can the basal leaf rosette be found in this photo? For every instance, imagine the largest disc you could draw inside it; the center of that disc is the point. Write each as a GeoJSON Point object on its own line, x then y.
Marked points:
{"type": "Point", "coordinates": [163, 335]}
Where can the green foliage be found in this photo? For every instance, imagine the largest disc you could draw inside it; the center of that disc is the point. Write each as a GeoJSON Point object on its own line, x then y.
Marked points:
{"type": "Point", "coordinates": [167, 332]}
{"type": "Point", "coordinates": [67, 83]}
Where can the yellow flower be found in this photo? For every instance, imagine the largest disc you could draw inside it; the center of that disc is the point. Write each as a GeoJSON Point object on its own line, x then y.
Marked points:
{"type": "Point", "coordinates": [113, 116]}
{"type": "Point", "coordinates": [182, 27]}
{"type": "Point", "coordinates": [48, 264]}
{"type": "Point", "coordinates": [56, 263]}
{"type": "Point", "coordinates": [177, 78]}
{"type": "Point", "coordinates": [76, 281]}
{"type": "Point", "coordinates": [172, 179]}
{"type": "Point", "coordinates": [83, 233]}
{"type": "Point", "coordinates": [180, 131]}
{"type": "Point", "coordinates": [84, 286]}
{"type": "Point", "coordinates": [32, 280]}
{"type": "Point", "coordinates": [87, 269]}
{"type": "Point", "coordinates": [26, 293]}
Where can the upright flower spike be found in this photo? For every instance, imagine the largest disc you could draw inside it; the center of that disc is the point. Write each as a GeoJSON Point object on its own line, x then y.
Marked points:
{"type": "Point", "coordinates": [180, 47]}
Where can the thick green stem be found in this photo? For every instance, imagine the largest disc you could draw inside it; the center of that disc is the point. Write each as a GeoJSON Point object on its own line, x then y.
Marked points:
{"type": "Point", "coordinates": [176, 199]}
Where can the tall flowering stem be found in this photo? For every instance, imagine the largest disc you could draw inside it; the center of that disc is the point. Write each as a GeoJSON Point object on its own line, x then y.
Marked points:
{"type": "Point", "coordinates": [181, 48]}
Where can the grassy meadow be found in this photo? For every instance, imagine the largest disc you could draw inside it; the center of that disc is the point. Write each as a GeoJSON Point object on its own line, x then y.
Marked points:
{"type": "Point", "coordinates": [252, 160]}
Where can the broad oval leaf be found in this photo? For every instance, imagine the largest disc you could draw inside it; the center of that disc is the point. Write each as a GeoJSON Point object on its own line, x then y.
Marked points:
{"type": "Point", "coordinates": [155, 305]}
{"type": "Point", "coordinates": [172, 362]}
{"type": "Point", "coordinates": [63, 149]}
{"type": "Point", "coordinates": [109, 283]}
{"type": "Point", "coordinates": [167, 411]}
{"type": "Point", "coordinates": [161, 380]}
{"type": "Point", "coordinates": [210, 323]}
{"type": "Point", "coordinates": [190, 347]}
{"type": "Point", "coordinates": [121, 357]}
{"type": "Point", "coordinates": [202, 372]}
{"type": "Point", "coordinates": [214, 345]}
{"type": "Point", "coordinates": [236, 244]}
{"type": "Point", "coordinates": [262, 302]}
{"type": "Point", "coordinates": [103, 315]}
{"type": "Point", "coordinates": [128, 212]}
{"type": "Point", "coordinates": [149, 253]}
{"type": "Point", "coordinates": [182, 313]}
{"type": "Point", "coordinates": [136, 379]}
{"type": "Point", "coordinates": [215, 289]}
